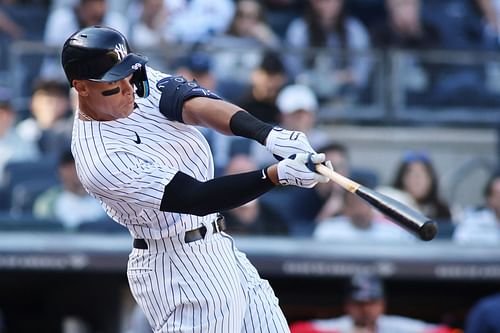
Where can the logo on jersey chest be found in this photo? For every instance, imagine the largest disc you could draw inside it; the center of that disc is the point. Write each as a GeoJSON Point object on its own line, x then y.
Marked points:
{"type": "Point", "coordinates": [137, 138]}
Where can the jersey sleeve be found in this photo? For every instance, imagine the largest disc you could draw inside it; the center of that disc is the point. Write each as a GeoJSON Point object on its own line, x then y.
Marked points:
{"type": "Point", "coordinates": [139, 184]}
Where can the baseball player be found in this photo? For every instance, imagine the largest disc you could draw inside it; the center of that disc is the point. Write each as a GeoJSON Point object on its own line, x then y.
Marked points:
{"type": "Point", "coordinates": [137, 151]}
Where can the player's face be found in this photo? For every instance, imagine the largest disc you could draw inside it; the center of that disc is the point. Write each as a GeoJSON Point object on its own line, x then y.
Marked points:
{"type": "Point", "coordinates": [365, 314]}
{"type": "Point", "coordinates": [107, 100]}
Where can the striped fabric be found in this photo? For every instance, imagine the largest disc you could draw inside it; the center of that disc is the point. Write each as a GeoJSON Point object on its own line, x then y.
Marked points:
{"type": "Point", "coordinates": [200, 287]}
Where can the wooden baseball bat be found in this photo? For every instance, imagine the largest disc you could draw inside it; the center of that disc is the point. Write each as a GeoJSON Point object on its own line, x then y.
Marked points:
{"type": "Point", "coordinates": [411, 220]}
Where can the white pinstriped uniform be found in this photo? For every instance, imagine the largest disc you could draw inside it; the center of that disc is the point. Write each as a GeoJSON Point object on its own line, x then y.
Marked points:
{"type": "Point", "coordinates": [203, 286]}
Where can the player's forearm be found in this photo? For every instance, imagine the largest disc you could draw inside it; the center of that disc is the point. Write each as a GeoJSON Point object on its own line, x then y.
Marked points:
{"type": "Point", "coordinates": [226, 118]}
{"type": "Point", "coordinates": [210, 113]}
{"type": "Point", "coordinates": [184, 194]}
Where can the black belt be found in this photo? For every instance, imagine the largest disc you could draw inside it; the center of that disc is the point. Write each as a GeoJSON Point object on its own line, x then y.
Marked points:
{"type": "Point", "coordinates": [191, 235]}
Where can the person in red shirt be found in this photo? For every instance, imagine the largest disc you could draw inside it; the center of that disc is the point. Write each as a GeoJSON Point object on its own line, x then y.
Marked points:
{"type": "Point", "coordinates": [365, 313]}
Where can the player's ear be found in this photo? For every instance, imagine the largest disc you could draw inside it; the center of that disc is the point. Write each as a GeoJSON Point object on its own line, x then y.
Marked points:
{"type": "Point", "coordinates": [81, 87]}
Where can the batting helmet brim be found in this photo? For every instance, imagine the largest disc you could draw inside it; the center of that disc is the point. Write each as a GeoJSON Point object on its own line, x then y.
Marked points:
{"type": "Point", "coordinates": [131, 63]}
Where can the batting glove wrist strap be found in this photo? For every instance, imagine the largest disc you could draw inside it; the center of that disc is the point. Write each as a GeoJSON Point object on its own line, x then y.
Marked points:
{"type": "Point", "coordinates": [294, 171]}
{"type": "Point", "coordinates": [283, 143]}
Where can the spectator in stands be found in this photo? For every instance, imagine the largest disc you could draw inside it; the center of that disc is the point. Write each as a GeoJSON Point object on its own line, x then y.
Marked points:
{"type": "Point", "coordinates": [482, 226]}
{"type": "Point", "coordinates": [463, 84]}
{"type": "Point", "coordinates": [365, 313]}
{"type": "Point", "coordinates": [483, 317]}
{"type": "Point", "coordinates": [68, 202]}
{"type": "Point", "coordinates": [490, 12]}
{"type": "Point", "coordinates": [327, 25]}
{"type": "Point", "coordinates": [280, 13]}
{"type": "Point", "coordinates": [416, 176]}
{"type": "Point", "coordinates": [267, 80]}
{"type": "Point", "coordinates": [50, 124]}
{"type": "Point", "coordinates": [65, 20]}
{"type": "Point", "coordinates": [298, 106]}
{"type": "Point", "coordinates": [149, 24]}
{"type": "Point", "coordinates": [13, 147]}
{"type": "Point", "coordinates": [303, 209]}
{"type": "Point", "coordinates": [191, 21]}
{"type": "Point", "coordinates": [330, 196]}
{"type": "Point", "coordinates": [254, 217]}
{"type": "Point", "coordinates": [405, 28]}
{"type": "Point", "coordinates": [249, 27]}
{"type": "Point", "coordinates": [10, 27]}
{"type": "Point", "coordinates": [198, 65]}
{"type": "Point", "coordinates": [359, 223]}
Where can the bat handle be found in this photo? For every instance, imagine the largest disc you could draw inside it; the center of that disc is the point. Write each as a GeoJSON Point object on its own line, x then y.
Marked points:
{"type": "Point", "coordinates": [345, 182]}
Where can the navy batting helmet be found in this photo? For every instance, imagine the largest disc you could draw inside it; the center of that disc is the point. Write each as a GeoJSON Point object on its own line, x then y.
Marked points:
{"type": "Point", "coordinates": [102, 54]}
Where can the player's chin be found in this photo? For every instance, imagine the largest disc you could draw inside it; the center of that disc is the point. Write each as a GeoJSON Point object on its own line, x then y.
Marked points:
{"type": "Point", "coordinates": [128, 108]}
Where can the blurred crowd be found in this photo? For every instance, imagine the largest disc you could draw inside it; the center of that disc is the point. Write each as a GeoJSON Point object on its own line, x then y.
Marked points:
{"type": "Point", "coordinates": [289, 76]}
{"type": "Point", "coordinates": [284, 61]}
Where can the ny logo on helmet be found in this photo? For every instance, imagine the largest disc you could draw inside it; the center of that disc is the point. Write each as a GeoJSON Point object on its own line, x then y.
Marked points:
{"type": "Point", "coordinates": [121, 51]}
{"type": "Point", "coordinates": [136, 66]}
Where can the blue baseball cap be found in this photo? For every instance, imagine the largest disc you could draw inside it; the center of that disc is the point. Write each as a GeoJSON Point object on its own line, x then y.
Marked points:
{"type": "Point", "coordinates": [364, 288]}
{"type": "Point", "coordinates": [197, 62]}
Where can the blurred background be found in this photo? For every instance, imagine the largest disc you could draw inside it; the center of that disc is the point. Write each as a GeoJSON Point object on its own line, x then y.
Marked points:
{"type": "Point", "coordinates": [402, 95]}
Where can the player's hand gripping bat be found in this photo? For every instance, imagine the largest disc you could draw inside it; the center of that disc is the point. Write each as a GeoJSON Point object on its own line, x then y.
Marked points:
{"type": "Point", "coordinates": [411, 220]}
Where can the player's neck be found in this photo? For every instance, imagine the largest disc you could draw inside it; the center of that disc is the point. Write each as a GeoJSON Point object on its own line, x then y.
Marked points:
{"type": "Point", "coordinates": [84, 116]}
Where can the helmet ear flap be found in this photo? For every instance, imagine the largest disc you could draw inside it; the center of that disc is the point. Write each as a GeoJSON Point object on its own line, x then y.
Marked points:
{"type": "Point", "coordinates": [140, 81]}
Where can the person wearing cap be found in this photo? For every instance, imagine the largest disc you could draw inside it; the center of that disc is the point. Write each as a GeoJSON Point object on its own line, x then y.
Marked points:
{"type": "Point", "coordinates": [297, 105]}
{"type": "Point", "coordinates": [365, 313]}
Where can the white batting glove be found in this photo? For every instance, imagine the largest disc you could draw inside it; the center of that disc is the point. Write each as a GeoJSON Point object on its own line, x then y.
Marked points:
{"type": "Point", "coordinates": [294, 171]}
{"type": "Point", "coordinates": [283, 143]}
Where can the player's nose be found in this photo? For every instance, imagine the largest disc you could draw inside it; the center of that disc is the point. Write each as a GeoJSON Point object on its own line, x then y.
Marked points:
{"type": "Point", "coordinates": [127, 86]}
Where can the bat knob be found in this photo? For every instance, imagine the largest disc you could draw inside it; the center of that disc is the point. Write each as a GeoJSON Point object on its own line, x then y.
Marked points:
{"type": "Point", "coordinates": [428, 230]}
{"type": "Point", "coordinates": [310, 164]}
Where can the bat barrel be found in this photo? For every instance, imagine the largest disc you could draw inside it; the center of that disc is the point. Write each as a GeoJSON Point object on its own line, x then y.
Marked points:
{"type": "Point", "coordinates": [428, 231]}
{"type": "Point", "coordinates": [411, 220]}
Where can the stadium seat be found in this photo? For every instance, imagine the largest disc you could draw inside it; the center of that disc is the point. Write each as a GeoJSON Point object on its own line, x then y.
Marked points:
{"type": "Point", "coordinates": [27, 222]}
{"type": "Point", "coordinates": [25, 193]}
{"type": "Point", "coordinates": [105, 225]}
{"type": "Point", "coordinates": [445, 229]}
{"type": "Point", "coordinates": [5, 198]}
{"type": "Point", "coordinates": [19, 172]}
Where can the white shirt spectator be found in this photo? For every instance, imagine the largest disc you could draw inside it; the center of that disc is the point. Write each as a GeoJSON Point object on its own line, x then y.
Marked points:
{"type": "Point", "coordinates": [385, 324]}
{"type": "Point", "coordinates": [341, 229]}
{"type": "Point", "coordinates": [297, 36]}
{"type": "Point", "coordinates": [478, 227]}
{"type": "Point", "coordinates": [191, 21]}
{"type": "Point", "coordinates": [13, 148]}
{"type": "Point", "coordinates": [63, 22]}
{"type": "Point", "coordinates": [72, 209]}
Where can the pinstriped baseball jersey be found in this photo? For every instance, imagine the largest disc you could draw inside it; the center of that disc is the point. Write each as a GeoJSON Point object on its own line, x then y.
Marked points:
{"type": "Point", "coordinates": [126, 164]}
{"type": "Point", "coordinates": [204, 286]}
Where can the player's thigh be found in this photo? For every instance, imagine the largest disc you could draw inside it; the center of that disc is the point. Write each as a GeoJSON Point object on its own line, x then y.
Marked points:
{"type": "Point", "coordinates": [193, 288]}
{"type": "Point", "coordinates": [263, 313]}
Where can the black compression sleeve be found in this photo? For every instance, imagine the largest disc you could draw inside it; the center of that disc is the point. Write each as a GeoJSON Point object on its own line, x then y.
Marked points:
{"type": "Point", "coordinates": [184, 194]}
{"type": "Point", "coordinates": [244, 124]}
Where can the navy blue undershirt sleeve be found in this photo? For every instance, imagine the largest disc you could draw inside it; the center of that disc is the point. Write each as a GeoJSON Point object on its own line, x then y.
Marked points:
{"type": "Point", "coordinates": [185, 194]}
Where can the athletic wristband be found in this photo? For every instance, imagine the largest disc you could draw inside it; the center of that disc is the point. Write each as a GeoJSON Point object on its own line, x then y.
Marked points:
{"type": "Point", "coordinates": [244, 124]}
{"type": "Point", "coordinates": [265, 175]}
